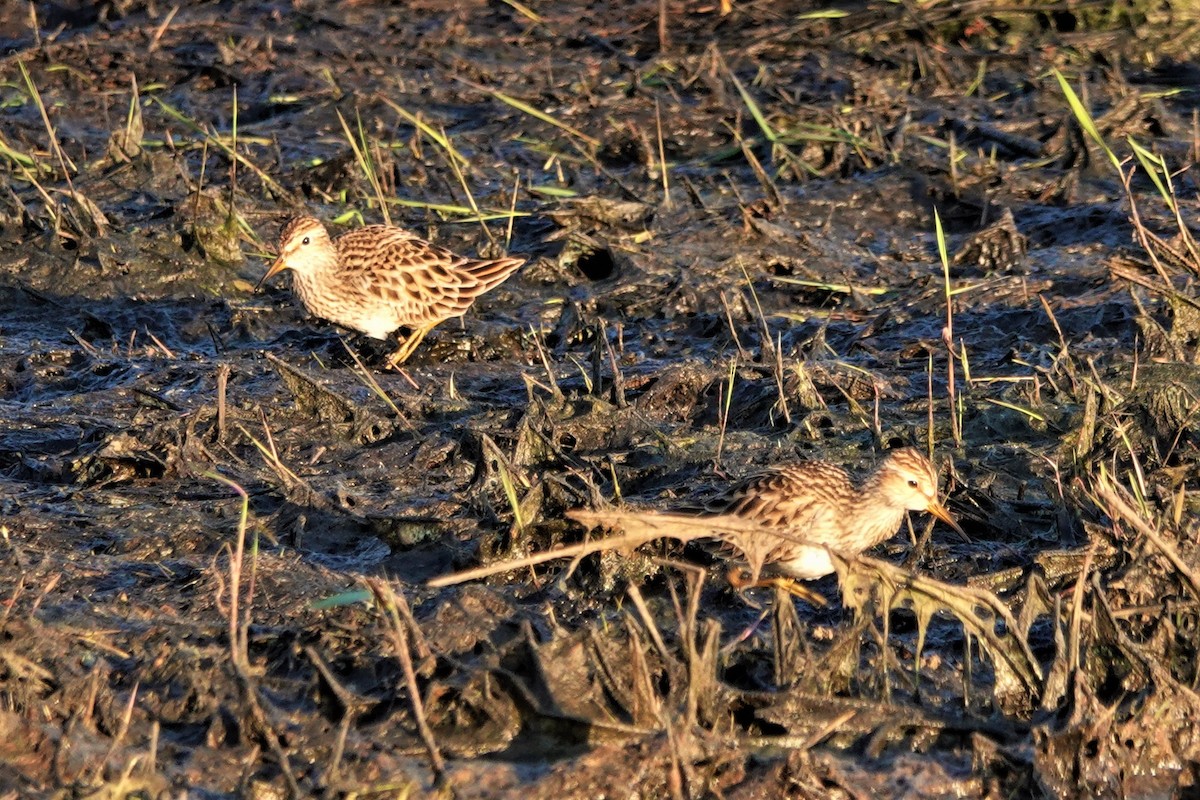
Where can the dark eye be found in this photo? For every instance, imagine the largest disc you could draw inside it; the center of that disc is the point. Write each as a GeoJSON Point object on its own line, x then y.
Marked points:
{"type": "Point", "coordinates": [304, 240]}
{"type": "Point", "coordinates": [912, 482]}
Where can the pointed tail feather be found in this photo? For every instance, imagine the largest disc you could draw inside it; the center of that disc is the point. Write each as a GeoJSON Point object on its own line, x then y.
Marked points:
{"type": "Point", "coordinates": [492, 273]}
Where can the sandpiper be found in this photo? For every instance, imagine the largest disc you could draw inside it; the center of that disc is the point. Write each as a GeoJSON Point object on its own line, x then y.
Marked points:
{"type": "Point", "coordinates": [380, 278]}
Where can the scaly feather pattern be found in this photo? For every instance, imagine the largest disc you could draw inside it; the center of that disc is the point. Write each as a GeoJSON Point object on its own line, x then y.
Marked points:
{"type": "Point", "coordinates": [790, 516]}
{"type": "Point", "coordinates": [380, 278]}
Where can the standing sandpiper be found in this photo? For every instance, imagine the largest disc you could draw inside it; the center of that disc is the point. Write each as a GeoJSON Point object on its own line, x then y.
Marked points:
{"type": "Point", "coordinates": [790, 516]}
{"type": "Point", "coordinates": [380, 278]}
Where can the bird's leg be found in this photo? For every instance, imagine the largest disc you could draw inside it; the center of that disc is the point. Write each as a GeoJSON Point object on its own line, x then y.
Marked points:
{"type": "Point", "coordinates": [406, 348]}
{"type": "Point", "coordinates": [740, 579]}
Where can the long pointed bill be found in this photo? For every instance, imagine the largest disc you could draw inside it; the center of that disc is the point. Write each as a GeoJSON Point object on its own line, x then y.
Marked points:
{"type": "Point", "coordinates": [939, 511]}
{"type": "Point", "coordinates": [275, 269]}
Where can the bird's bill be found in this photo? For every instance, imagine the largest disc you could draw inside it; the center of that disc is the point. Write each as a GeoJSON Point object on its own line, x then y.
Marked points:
{"type": "Point", "coordinates": [275, 269]}
{"type": "Point", "coordinates": [938, 510]}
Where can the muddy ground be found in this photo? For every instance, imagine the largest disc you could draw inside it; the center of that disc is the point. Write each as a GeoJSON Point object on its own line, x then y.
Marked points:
{"type": "Point", "coordinates": [775, 292]}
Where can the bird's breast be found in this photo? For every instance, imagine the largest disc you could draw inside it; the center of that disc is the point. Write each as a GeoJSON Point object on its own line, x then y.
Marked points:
{"type": "Point", "coordinates": [343, 305]}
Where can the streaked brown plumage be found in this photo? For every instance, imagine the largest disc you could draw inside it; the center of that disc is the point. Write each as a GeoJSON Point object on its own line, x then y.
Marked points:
{"type": "Point", "coordinates": [787, 516]}
{"type": "Point", "coordinates": [380, 278]}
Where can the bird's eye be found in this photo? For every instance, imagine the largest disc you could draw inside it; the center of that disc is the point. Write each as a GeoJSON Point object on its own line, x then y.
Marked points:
{"type": "Point", "coordinates": [304, 240]}
{"type": "Point", "coordinates": [912, 482]}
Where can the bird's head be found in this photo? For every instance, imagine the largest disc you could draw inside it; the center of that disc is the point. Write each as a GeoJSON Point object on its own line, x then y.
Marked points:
{"type": "Point", "coordinates": [907, 478]}
{"type": "Point", "coordinates": [304, 247]}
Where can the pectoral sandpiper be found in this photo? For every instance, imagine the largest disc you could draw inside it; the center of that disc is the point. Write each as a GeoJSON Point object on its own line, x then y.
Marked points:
{"type": "Point", "coordinates": [380, 278]}
{"type": "Point", "coordinates": [790, 516]}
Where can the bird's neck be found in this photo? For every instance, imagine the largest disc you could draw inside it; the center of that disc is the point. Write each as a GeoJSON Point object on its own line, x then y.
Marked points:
{"type": "Point", "coordinates": [312, 284]}
{"type": "Point", "coordinates": [874, 518]}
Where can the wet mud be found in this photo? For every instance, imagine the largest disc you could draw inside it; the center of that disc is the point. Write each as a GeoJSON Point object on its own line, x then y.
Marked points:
{"type": "Point", "coordinates": [220, 515]}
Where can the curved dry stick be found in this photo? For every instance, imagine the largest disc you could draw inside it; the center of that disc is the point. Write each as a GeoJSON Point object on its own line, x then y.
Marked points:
{"type": "Point", "coordinates": [640, 527]}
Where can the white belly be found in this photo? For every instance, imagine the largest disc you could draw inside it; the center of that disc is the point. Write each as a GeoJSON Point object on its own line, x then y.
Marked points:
{"type": "Point", "coordinates": [808, 563]}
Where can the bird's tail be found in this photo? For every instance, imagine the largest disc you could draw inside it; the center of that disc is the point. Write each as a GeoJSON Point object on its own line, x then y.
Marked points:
{"type": "Point", "coordinates": [493, 272]}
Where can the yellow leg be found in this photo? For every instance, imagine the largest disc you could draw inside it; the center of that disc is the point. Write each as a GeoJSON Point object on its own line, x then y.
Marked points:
{"type": "Point", "coordinates": [406, 348]}
{"type": "Point", "coordinates": [740, 579]}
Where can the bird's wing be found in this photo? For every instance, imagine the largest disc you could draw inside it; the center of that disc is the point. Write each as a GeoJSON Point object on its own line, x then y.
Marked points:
{"type": "Point", "coordinates": [799, 496]}
{"type": "Point", "coordinates": [405, 269]}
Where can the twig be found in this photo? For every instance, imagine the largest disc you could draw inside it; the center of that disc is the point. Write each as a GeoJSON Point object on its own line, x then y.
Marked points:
{"type": "Point", "coordinates": [122, 731]}
{"type": "Point", "coordinates": [754, 541]}
{"type": "Point", "coordinates": [1117, 503]}
{"type": "Point", "coordinates": [639, 604]}
{"type": "Point", "coordinates": [238, 645]}
{"type": "Point", "coordinates": [222, 386]}
{"type": "Point", "coordinates": [162, 29]}
{"type": "Point", "coordinates": [391, 603]}
{"type": "Point", "coordinates": [166, 350]}
{"type": "Point", "coordinates": [618, 385]}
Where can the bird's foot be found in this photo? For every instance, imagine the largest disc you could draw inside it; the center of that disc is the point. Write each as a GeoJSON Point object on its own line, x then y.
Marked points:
{"type": "Point", "coordinates": [740, 579]}
{"type": "Point", "coordinates": [406, 349]}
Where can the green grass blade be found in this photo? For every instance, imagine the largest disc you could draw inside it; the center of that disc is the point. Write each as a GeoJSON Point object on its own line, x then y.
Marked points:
{"type": "Point", "coordinates": [216, 142]}
{"type": "Point", "coordinates": [17, 157]}
{"type": "Point", "coordinates": [359, 146]}
{"type": "Point", "coordinates": [352, 597]}
{"type": "Point", "coordinates": [536, 113]}
{"type": "Point", "coordinates": [1156, 168]}
{"type": "Point", "coordinates": [430, 131]}
{"type": "Point", "coordinates": [941, 243]}
{"type": "Point", "coordinates": [755, 111]}
{"type": "Point", "coordinates": [467, 214]}
{"type": "Point", "coordinates": [1085, 119]}
{"type": "Point", "coordinates": [553, 191]}
{"type": "Point", "coordinates": [835, 288]}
